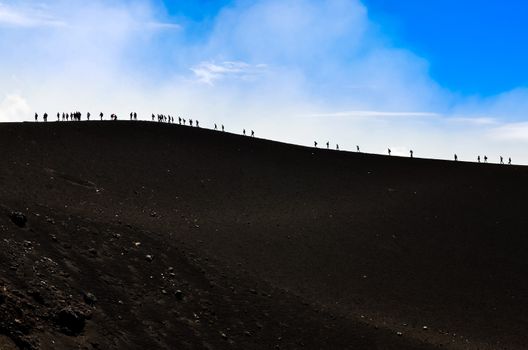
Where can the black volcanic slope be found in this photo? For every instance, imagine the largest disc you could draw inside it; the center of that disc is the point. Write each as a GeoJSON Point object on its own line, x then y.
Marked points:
{"type": "Point", "coordinates": [152, 236]}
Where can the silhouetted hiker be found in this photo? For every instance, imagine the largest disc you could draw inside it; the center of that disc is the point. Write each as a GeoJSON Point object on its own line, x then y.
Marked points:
{"type": "Point", "coordinates": [389, 151]}
{"type": "Point", "coordinates": [485, 159]}
{"type": "Point", "coordinates": [337, 147]}
{"type": "Point", "coordinates": [88, 116]}
{"type": "Point", "coordinates": [501, 160]}
{"type": "Point", "coordinates": [252, 133]}
{"type": "Point", "coordinates": [315, 144]}
{"type": "Point", "coordinates": [357, 148]}
{"type": "Point", "coordinates": [215, 126]}
{"type": "Point", "coordinates": [222, 127]}
{"type": "Point", "coordinates": [36, 117]}
{"type": "Point", "coordinates": [456, 158]}
{"type": "Point", "coordinates": [101, 115]}
{"type": "Point", "coordinates": [244, 132]}
{"type": "Point", "coordinates": [45, 117]}
{"type": "Point", "coordinates": [478, 159]}
{"type": "Point", "coordinates": [412, 153]}
{"type": "Point", "coordinates": [327, 144]}
{"type": "Point", "coordinates": [509, 160]}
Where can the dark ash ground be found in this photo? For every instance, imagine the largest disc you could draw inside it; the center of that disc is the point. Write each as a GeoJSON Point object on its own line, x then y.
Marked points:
{"type": "Point", "coordinates": [153, 236]}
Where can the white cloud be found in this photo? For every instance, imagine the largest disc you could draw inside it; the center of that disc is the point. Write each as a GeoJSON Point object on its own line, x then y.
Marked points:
{"type": "Point", "coordinates": [18, 17]}
{"type": "Point", "coordinates": [374, 114]}
{"type": "Point", "coordinates": [512, 132]}
{"type": "Point", "coordinates": [12, 107]}
{"type": "Point", "coordinates": [209, 72]}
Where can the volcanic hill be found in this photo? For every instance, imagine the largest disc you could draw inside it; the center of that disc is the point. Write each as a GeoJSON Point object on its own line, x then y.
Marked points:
{"type": "Point", "coordinates": [137, 235]}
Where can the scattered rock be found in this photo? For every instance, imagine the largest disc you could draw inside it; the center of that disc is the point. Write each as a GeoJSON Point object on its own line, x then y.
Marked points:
{"type": "Point", "coordinates": [18, 218]}
{"type": "Point", "coordinates": [89, 298]}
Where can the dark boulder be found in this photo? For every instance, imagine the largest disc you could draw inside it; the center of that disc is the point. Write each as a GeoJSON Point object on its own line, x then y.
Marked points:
{"type": "Point", "coordinates": [71, 321]}
{"type": "Point", "coordinates": [18, 218]}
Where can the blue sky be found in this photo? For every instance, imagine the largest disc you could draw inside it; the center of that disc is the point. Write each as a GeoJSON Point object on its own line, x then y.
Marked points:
{"type": "Point", "coordinates": [473, 47]}
{"type": "Point", "coordinates": [436, 77]}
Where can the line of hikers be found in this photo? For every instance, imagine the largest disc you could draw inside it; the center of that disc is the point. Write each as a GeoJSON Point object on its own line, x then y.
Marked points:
{"type": "Point", "coordinates": [162, 118]}
{"type": "Point", "coordinates": [411, 153]}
